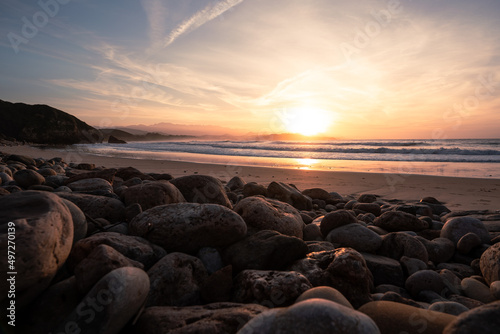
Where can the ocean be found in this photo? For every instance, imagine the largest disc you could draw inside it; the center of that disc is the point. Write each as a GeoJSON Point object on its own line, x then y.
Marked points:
{"type": "Point", "coordinates": [453, 157]}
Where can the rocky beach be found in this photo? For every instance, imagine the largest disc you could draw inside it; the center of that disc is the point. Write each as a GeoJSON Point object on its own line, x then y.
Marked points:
{"type": "Point", "coordinates": [107, 245]}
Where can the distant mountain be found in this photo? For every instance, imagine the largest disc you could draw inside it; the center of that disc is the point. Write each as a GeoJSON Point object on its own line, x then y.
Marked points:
{"type": "Point", "coordinates": [143, 136]}
{"type": "Point", "coordinates": [183, 129]}
{"type": "Point", "coordinates": [42, 124]}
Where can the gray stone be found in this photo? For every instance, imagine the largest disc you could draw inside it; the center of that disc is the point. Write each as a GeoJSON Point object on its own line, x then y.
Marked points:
{"type": "Point", "coordinates": [372, 208]}
{"type": "Point", "coordinates": [211, 259]}
{"type": "Point", "coordinates": [102, 260]}
{"type": "Point", "coordinates": [324, 292]}
{"type": "Point", "coordinates": [269, 288]}
{"type": "Point", "coordinates": [477, 290]}
{"type": "Point", "coordinates": [265, 250]}
{"type": "Point", "coordinates": [398, 244]}
{"type": "Point", "coordinates": [483, 320]}
{"type": "Point", "coordinates": [490, 263]}
{"type": "Point", "coordinates": [397, 318]}
{"type": "Point", "coordinates": [456, 228]}
{"type": "Point", "coordinates": [236, 183]}
{"type": "Point", "coordinates": [94, 206]}
{"type": "Point", "coordinates": [452, 308]}
{"type": "Point", "coordinates": [384, 270]}
{"type": "Point", "coordinates": [152, 194]}
{"type": "Point", "coordinates": [43, 229]}
{"type": "Point", "coordinates": [134, 248]}
{"type": "Point", "coordinates": [268, 214]}
{"type": "Point", "coordinates": [355, 236]}
{"type": "Point", "coordinates": [439, 249]}
{"type": "Point", "coordinates": [313, 316]}
{"type": "Point", "coordinates": [343, 269]}
{"type": "Point", "coordinates": [79, 220]}
{"type": "Point", "coordinates": [395, 221]}
{"type": "Point", "coordinates": [111, 303]}
{"type": "Point", "coordinates": [495, 289]}
{"type": "Point", "coordinates": [176, 281]}
{"type": "Point", "coordinates": [468, 242]}
{"type": "Point", "coordinates": [202, 189]}
{"type": "Point", "coordinates": [288, 194]}
{"type": "Point", "coordinates": [95, 186]}
{"type": "Point", "coordinates": [207, 319]}
{"type": "Point", "coordinates": [424, 280]}
{"type": "Point", "coordinates": [26, 178]}
{"type": "Point", "coordinates": [336, 219]}
{"type": "Point", "coordinates": [254, 189]}
{"type": "Point", "coordinates": [411, 265]}
{"type": "Point", "coordinates": [187, 227]}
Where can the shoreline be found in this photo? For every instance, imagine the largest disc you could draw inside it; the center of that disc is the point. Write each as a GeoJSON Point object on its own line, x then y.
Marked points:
{"type": "Point", "coordinates": [458, 193]}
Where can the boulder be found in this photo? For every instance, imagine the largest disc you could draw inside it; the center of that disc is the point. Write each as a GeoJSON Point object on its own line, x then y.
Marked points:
{"type": "Point", "coordinates": [42, 228]}
{"type": "Point", "coordinates": [94, 206]}
{"type": "Point", "coordinates": [21, 158]}
{"type": "Point", "coordinates": [398, 244]}
{"type": "Point", "coordinates": [134, 248]}
{"type": "Point", "coordinates": [343, 269]}
{"type": "Point", "coordinates": [336, 219]}
{"type": "Point", "coordinates": [254, 189]}
{"type": "Point", "coordinates": [288, 194]}
{"type": "Point", "coordinates": [236, 183]}
{"type": "Point", "coordinates": [318, 193]}
{"type": "Point", "coordinates": [452, 308]}
{"type": "Point", "coordinates": [468, 242]}
{"type": "Point", "coordinates": [152, 194]}
{"type": "Point", "coordinates": [384, 270]}
{"type": "Point", "coordinates": [396, 318]}
{"type": "Point", "coordinates": [355, 236]}
{"type": "Point", "coordinates": [439, 250]}
{"type": "Point", "coordinates": [93, 186]}
{"type": "Point", "coordinates": [176, 281]}
{"type": "Point", "coordinates": [131, 172]}
{"type": "Point", "coordinates": [268, 214]}
{"type": "Point", "coordinates": [373, 208]}
{"type": "Point", "coordinates": [456, 228]}
{"type": "Point", "coordinates": [313, 316]}
{"type": "Point", "coordinates": [424, 280]}
{"type": "Point", "coordinates": [202, 189]}
{"type": "Point", "coordinates": [105, 174]}
{"type": "Point", "coordinates": [79, 221]}
{"type": "Point", "coordinates": [110, 304]}
{"type": "Point", "coordinates": [265, 250]}
{"type": "Point", "coordinates": [269, 288]}
{"type": "Point", "coordinates": [26, 178]}
{"type": "Point", "coordinates": [477, 290]}
{"type": "Point", "coordinates": [187, 227]}
{"type": "Point", "coordinates": [50, 308]}
{"type": "Point", "coordinates": [324, 292]}
{"type": "Point", "coordinates": [395, 221]}
{"type": "Point", "coordinates": [490, 263]}
{"type": "Point", "coordinates": [207, 319]}
{"type": "Point", "coordinates": [483, 320]}
{"type": "Point", "coordinates": [102, 260]}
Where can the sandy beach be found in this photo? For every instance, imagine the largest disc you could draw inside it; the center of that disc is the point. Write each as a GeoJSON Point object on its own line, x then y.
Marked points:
{"type": "Point", "coordinates": [457, 193]}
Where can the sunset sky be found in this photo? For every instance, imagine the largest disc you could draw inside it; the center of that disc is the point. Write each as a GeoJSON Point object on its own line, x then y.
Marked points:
{"type": "Point", "coordinates": [347, 69]}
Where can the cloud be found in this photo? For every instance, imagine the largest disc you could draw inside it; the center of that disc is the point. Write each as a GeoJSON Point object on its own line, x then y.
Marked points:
{"type": "Point", "coordinates": [207, 14]}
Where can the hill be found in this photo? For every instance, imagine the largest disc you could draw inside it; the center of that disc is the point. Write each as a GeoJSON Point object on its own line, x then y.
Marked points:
{"type": "Point", "coordinates": [148, 136]}
{"type": "Point", "coordinates": [42, 124]}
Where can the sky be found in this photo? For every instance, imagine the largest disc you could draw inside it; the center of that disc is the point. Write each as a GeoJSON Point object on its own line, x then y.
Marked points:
{"type": "Point", "coordinates": [345, 69]}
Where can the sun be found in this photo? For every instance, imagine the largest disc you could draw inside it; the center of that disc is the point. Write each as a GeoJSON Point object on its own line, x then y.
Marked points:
{"type": "Point", "coordinates": [307, 121]}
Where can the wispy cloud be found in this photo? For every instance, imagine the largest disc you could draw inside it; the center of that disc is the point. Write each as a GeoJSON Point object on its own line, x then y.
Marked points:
{"type": "Point", "coordinates": [207, 14]}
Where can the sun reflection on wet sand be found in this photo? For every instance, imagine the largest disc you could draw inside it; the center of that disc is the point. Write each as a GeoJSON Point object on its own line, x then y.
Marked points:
{"type": "Point", "coordinates": [306, 163]}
